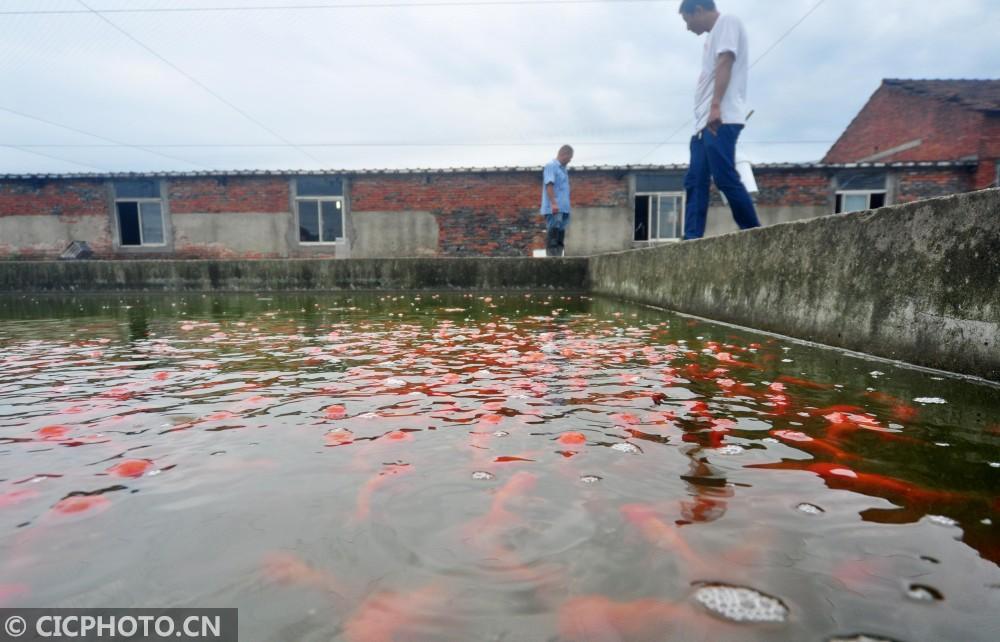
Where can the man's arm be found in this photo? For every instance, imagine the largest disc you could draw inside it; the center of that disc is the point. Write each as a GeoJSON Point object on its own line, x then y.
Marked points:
{"type": "Point", "coordinates": [552, 197]}
{"type": "Point", "coordinates": [723, 74]}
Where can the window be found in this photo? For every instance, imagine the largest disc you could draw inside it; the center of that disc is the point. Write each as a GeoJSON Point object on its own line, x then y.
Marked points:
{"type": "Point", "coordinates": [860, 191]}
{"type": "Point", "coordinates": [659, 216]}
{"type": "Point", "coordinates": [139, 213]}
{"type": "Point", "coordinates": [319, 204]}
{"type": "Point", "coordinates": [858, 201]}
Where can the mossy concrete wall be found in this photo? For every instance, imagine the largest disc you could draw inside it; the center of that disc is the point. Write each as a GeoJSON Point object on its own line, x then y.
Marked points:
{"type": "Point", "coordinates": [294, 274]}
{"type": "Point", "coordinates": [918, 282]}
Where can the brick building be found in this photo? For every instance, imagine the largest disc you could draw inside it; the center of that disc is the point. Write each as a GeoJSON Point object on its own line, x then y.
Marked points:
{"type": "Point", "coordinates": [914, 140]}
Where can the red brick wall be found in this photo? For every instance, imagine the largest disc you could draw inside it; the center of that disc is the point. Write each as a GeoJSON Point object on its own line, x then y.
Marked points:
{"type": "Point", "coordinates": [792, 188]}
{"type": "Point", "coordinates": [229, 194]}
{"type": "Point", "coordinates": [894, 117]}
{"type": "Point", "coordinates": [53, 198]}
{"type": "Point", "coordinates": [989, 152]}
{"type": "Point", "coordinates": [915, 185]}
{"type": "Point", "coordinates": [486, 214]}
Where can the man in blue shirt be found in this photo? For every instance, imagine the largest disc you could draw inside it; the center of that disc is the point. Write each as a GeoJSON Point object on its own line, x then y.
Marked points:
{"type": "Point", "coordinates": [555, 201]}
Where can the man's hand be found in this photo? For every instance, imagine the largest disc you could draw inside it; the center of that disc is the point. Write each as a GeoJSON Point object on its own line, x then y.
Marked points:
{"type": "Point", "coordinates": [555, 208]}
{"type": "Point", "coordinates": [715, 119]}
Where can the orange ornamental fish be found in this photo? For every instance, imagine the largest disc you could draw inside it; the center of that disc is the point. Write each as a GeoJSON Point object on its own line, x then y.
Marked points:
{"type": "Point", "coordinates": [804, 442]}
{"type": "Point", "coordinates": [130, 468]}
{"type": "Point", "coordinates": [335, 412]}
{"type": "Point", "coordinates": [804, 383]}
{"type": "Point", "coordinates": [80, 504]}
{"type": "Point", "coordinates": [53, 433]}
{"type": "Point", "coordinates": [658, 533]}
{"type": "Point", "coordinates": [287, 569]}
{"type": "Point", "coordinates": [391, 616]}
{"type": "Point", "coordinates": [15, 497]}
{"type": "Point", "coordinates": [367, 491]}
{"type": "Point", "coordinates": [597, 618]}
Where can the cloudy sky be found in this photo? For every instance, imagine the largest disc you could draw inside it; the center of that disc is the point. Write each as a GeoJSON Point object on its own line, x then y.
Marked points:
{"type": "Point", "coordinates": [304, 84]}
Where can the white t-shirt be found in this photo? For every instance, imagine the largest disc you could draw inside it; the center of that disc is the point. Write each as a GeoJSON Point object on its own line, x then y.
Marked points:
{"type": "Point", "coordinates": [728, 34]}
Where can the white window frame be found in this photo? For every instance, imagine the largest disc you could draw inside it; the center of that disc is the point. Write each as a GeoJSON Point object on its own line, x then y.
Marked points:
{"type": "Point", "coordinates": [319, 200]}
{"type": "Point", "coordinates": [680, 196]}
{"type": "Point", "coordinates": [843, 194]}
{"type": "Point", "coordinates": [139, 202]}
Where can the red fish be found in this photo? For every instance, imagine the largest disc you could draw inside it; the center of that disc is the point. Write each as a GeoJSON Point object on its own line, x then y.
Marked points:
{"type": "Point", "coordinates": [599, 619]}
{"type": "Point", "coordinates": [389, 616]}
{"type": "Point", "coordinates": [804, 442]}
{"type": "Point", "coordinates": [803, 383]}
{"type": "Point", "coordinates": [131, 468]}
{"type": "Point", "coordinates": [14, 497]}
{"type": "Point", "coordinates": [658, 533]}
{"type": "Point", "coordinates": [335, 412]}
{"type": "Point", "coordinates": [572, 438]}
{"type": "Point", "coordinates": [287, 569]}
{"type": "Point", "coordinates": [339, 437]}
{"type": "Point", "coordinates": [81, 503]}
{"type": "Point", "coordinates": [368, 490]}
{"type": "Point", "coordinates": [53, 433]}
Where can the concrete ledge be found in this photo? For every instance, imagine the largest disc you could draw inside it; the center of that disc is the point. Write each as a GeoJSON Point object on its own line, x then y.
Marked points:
{"type": "Point", "coordinates": [294, 274]}
{"type": "Point", "coordinates": [917, 282]}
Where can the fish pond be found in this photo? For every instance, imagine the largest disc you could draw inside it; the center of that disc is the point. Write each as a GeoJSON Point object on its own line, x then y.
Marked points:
{"type": "Point", "coordinates": [506, 467]}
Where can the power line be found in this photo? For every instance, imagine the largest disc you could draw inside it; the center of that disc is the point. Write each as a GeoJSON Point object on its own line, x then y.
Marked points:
{"type": "Point", "coordinates": [399, 144]}
{"type": "Point", "coordinates": [200, 84]}
{"type": "Point", "coordinates": [326, 7]}
{"type": "Point", "coordinates": [21, 148]}
{"type": "Point", "coordinates": [114, 142]}
{"type": "Point", "coordinates": [752, 65]}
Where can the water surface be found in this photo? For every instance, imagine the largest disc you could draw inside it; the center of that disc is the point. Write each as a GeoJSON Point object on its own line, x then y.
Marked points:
{"type": "Point", "coordinates": [487, 467]}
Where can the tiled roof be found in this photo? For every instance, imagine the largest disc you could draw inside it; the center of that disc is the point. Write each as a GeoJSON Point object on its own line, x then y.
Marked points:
{"type": "Point", "coordinates": [981, 95]}
{"type": "Point", "coordinates": [475, 170]}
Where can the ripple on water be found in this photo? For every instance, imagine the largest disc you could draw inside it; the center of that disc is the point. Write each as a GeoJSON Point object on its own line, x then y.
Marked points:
{"type": "Point", "coordinates": [809, 509]}
{"type": "Point", "coordinates": [590, 479]}
{"type": "Point", "coordinates": [741, 604]}
{"type": "Point", "coordinates": [924, 593]}
{"type": "Point", "coordinates": [860, 637]}
{"type": "Point", "coordinates": [482, 475]}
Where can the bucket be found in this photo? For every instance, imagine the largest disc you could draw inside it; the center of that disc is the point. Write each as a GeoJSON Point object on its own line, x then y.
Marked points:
{"type": "Point", "coordinates": [745, 170]}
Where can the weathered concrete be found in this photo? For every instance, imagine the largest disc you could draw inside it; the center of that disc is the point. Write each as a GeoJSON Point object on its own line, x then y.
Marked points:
{"type": "Point", "coordinates": [595, 230]}
{"type": "Point", "coordinates": [720, 219]}
{"type": "Point", "coordinates": [294, 274]}
{"type": "Point", "coordinates": [378, 234]}
{"type": "Point", "coordinates": [918, 282]}
{"type": "Point", "coordinates": [227, 234]}
{"type": "Point", "coordinates": [42, 236]}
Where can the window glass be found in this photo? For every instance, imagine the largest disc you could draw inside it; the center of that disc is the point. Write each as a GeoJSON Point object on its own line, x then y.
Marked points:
{"type": "Point", "coordinates": [876, 201]}
{"type": "Point", "coordinates": [333, 221]}
{"type": "Point", "coordinates": [137, 189]}
{"type": "Point", "coordinates": [152, 223]}
{"type": "Point", "coordinates": [669, 217]}
{"type": "Point", "coordinates": [309, 221]}
{"type": "Point", "coordinates": [319, 186]}
{"type": "Point", "coordinates": [855, 202]}
{"type": "Point", "coordinates": [128, 223]}
{"type": "Point", "coordinates": [641, 222]}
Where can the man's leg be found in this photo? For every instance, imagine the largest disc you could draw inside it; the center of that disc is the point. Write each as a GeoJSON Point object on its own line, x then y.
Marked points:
{"type": "Point", "coordinates": [696, 184]}
{"type": "Point", "coordinates": [721, 152]}
{"type": "Point", "coordinates": [561, 238]}
{"type": "Point", "coordinates": [551, 235]}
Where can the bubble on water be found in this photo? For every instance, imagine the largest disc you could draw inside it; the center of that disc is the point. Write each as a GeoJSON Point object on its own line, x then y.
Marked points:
{"type": "Point", "coordinates": [986, 521]}
{"type": "Point", "coordinates": [876, 373]}
{"type": "Point", "coordinates": [770, 440]}
{"type": "Point", "coordinates": [809, 509]}
{"type": "Point", "coordinates": [731, 449]}
{"type": "Point", "coordinates": [625, 447]}
{"type": "Point", "coordinates": [786, 361]}
{"type": "Point", "coordinates": [995, 464]}
{"type": "Point", "coordinates": [942, 520]}
{"type": "Point", "coordinates": [741, 604]}
{"type": "Point", "coordinates": [482, 475]}
{"type": "Point", "coordinates": [154, 473]}
{"type": "Point", "coordinates": [394, 383]}
{"type": "Point", "coordinates": [590, 479]}
{"type": "Point", "coordinates": [501, 433]}
{"type": "Point", "coordinates": [860, 637]}
{"type": "Point", "coordinates": [922, 593]}
{"type": "Point", "coordinates": [930, 400]}
{"type": "Point", "coordinates": [943, 444]}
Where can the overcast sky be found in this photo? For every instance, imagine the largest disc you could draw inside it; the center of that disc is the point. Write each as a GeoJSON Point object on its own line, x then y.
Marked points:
{"type": "Point", "coordinates": [489, 85]}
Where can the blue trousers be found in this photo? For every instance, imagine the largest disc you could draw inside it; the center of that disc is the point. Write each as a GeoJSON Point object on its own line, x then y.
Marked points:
{"type": "Point", "coordinates": [713, 156]}
{"type": "Point", "coordinates": [555, 237]}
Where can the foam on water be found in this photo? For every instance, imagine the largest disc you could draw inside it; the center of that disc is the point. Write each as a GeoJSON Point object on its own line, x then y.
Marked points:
{"type": "Point", "coordinates": [741, 604]}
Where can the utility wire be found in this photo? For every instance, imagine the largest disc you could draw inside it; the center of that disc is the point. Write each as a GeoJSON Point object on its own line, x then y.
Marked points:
{"type": "Point", "coordinates": [325, 7]}
{"type": "Point", "coordinates": [400, 144]}
{"type": "Point", "coordinates": [752, 65]}
{"type": "Point", "coordinates": [22, 148]}
{"type": "Point", "coordinates": [114, 142]}
{"type": "Point", "coordinates": [200, 84]}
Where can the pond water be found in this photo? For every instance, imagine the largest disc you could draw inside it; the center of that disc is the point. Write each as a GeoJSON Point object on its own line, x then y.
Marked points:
{"type": "Point", "coordinates": [499, 467]}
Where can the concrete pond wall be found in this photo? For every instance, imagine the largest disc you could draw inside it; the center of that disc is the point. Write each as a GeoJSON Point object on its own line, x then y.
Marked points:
{"type": "Point", "coordinates": [918, 282]}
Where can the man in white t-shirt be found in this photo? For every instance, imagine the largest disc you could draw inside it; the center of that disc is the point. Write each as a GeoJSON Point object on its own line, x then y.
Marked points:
{"type": "Point", "coordinates": [720, 113]}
